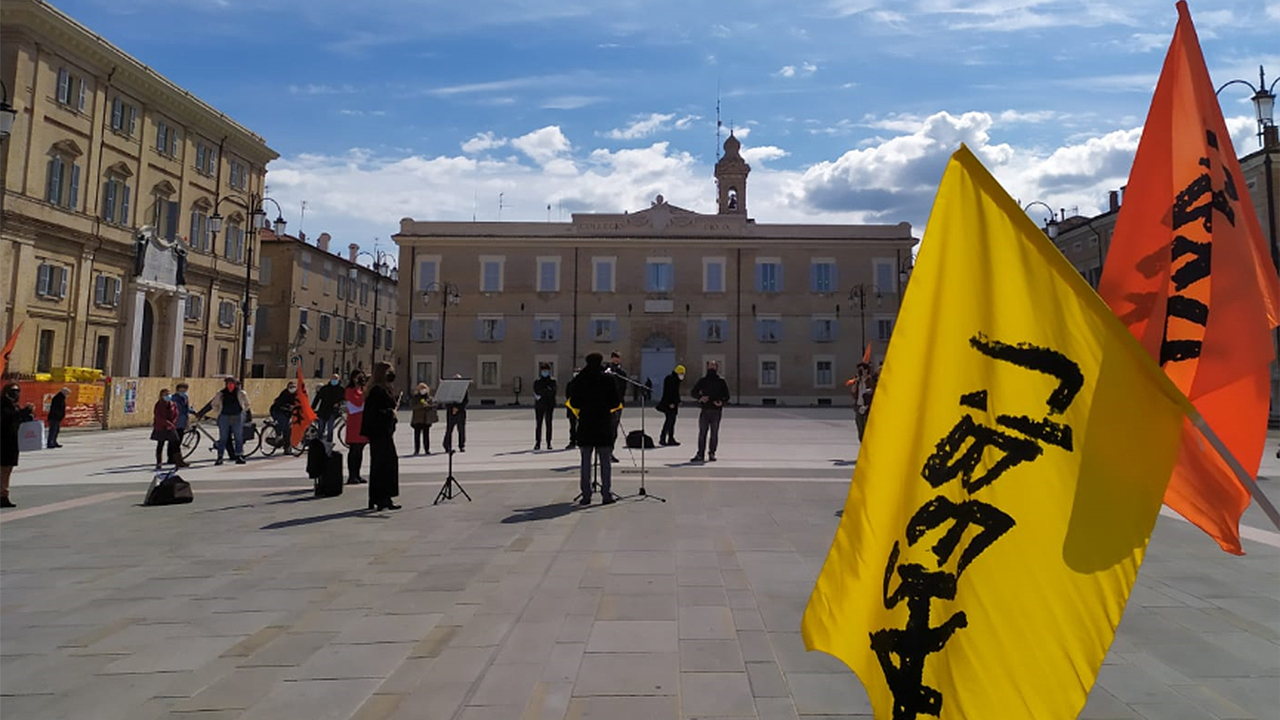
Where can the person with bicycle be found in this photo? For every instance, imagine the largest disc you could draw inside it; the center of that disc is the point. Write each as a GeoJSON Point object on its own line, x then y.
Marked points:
{"type": "Point", "coordinates": [329, 402]}
{"type": "Point", "coordinates": [282, 411]}
{"type": "Point", "coordinates": [231, 405]}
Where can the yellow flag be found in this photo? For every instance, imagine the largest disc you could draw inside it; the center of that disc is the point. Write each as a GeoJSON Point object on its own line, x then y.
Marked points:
{"type": "Point", "coordinates": [1012, 473]}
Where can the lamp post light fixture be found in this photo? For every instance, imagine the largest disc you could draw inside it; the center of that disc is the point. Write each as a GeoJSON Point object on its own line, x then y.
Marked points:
{"type": "Point", "coordinates": [1264, 102]}
{"type": "Point", "coordinates": [1051, 223]}
{"type": "Point", "coordinates": [858, 294]}
{"type": "Point", "coordinates": [448, 295]}
{"type": "Point", "coordinates": [257, 219]}
{"type": "Point", "coordinates": [7, 113]}
{"type": "Point", "coordinates": [382, 268]}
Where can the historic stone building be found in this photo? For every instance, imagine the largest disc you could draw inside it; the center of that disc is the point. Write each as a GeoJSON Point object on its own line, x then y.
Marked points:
{"type": "Point", "coordinates": [105, 150]}
{"type": "Point", "coordinates": [787, 310]}
{"type": "Point", "coordinates": [311, 299]}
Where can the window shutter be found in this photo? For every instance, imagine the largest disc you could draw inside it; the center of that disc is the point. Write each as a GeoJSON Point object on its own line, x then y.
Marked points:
{"type": "Point", "coordinates": [480, 330]}
{"type": "Point", "coordinates": [42, 279]}
{"type": "Point", "coordinates": [133, 120]}
{"type": "Point", "coordinates": [200, 157]}
{"type": "Point", "coordinates": [80, 102]}
{"type": "Point", "coordinates": [124, 205]}
{"type": "Point", "coordinates": [109, 201]}
{"type": "Point", "coordinates": [53, 192]}
{"type": "Point", "coordinates": [171, 231]}
{"type": "Point", "coordinates": [117, 114]}
{"type": "Point", "coordinates": [75, 187]}
{"type": "Point", "coordinates": [815, 330]}
{"type": "Point", "coordinates": [162, 141]}
{"type": "Point", "coordinates": [779, 287]}
{"type": "Point", "coordinates": [62, 282]}
{"type": "Point", "coordinates": [555, 330]}
{"type": "Point", "coordinates": [501, 333]}
{"type": "Point", "coordinates": [173, 143]}
{"type": "Point", "coordinates": [115, 294]}
{"type": "Point", "coordinates": [759, 277]}
{"type": "Point", "coordinates": [835, 277]}
{"type": "Point", "coordinates": [416, 330]}
{"type": "Point", "coordinates": [64, 86]}
{"type": "Point", "coordinates": [100, 290]}
{"type": "Point", "coordinates": [212, 160]}
{"type": "Point", "coordinates": [706, 330]}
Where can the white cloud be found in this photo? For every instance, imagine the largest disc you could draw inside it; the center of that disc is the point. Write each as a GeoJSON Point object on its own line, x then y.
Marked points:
{"type": "Point", "coordinates": [808, 68]}
{"type": "Point", "coordinates": [763, 154]}
{"type": "Point", "coordinates": [362, 113]}
{"type": "Point", "coordinates": [640, 127]}
{"type": "Point", "coordinates": [790, 71]}
{"type": "Point", "coordinates": [482, 142]}
{"type": "Point", "coordinates": [787, 71]}
{"type": "Point", "coordinates": [543, 145]}
{"type": "Point", "coordinates": [321, 89]}
{"type": "Point", "coordinates": [571, 102]}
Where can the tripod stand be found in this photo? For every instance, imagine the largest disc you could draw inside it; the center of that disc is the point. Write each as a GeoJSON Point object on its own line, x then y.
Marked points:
{"type": "Point", "coordinates": [448, 491]}
{"type": "Point", "coordinates": [644, 396]}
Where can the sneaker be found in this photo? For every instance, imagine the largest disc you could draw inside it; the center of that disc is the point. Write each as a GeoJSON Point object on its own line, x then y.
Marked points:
{"type": "Point", "coordinates": [240, 461]}
{"type": "Point", "coordinates": [585, 501]}
{"type": "Point", "coordinates": [608, 500]}
{"type": "Point", "coordinates": [218, 461]}
{"type": "Point", "coordinates": [672, 442]}
{"type": "Point", "coordinates": [614, 458]}
{"type": "Point", "coordinates": [538, 446]}
{"type": "Point", "coordinates": [711, 458]}
{"type": "Point", "coordinates": [697, 459]}
{"type": "Point", "coordinates": [6, 502]}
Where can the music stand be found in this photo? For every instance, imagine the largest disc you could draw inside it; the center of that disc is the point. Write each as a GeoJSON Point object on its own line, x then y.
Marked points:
{"type": "Point", "coordinates": [450, 392]}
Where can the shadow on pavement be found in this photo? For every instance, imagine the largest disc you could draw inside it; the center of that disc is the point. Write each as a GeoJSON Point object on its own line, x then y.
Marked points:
{"type": "Point", "coordinates": [298, 522]}
{"type": "Point", "coordinates": [844, 463]}
{"type": "Point", "coordinates": [542, 512]}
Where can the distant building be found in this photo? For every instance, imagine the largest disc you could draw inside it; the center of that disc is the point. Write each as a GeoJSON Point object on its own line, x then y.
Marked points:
{"type": "Point", "coordinates": [310, 301]}
{"type": "Point", "coordinates": [102, 147]}
{"type": "Point", "coordinates": [771, 303]}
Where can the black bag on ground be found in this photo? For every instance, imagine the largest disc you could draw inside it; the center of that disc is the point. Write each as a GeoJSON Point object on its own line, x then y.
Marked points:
{"type": "Point", "coordinates": [317, 458]}
{"type": "Point", "coordinates": [636, 439]}
{"type": "Point", "coordinates": [329, 484]}
{"type": "Point", "coordinates": [168, 489]}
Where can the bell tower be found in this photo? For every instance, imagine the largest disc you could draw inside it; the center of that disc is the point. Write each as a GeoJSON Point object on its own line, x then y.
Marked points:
{"type": "Point", "coordinates": [731, 179]}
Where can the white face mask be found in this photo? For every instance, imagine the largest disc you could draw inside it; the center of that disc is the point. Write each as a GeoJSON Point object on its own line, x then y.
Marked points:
{"type": "Point", "coordinates": [423, 391]}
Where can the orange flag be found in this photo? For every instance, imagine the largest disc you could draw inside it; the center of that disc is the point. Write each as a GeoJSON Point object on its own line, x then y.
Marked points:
{"type": "Point", "coordinates": [8, 348]}
{"type": "Point", "coordinates": [1189, 273]}
{"type": "Point", "coordinates": [306, 416]}
{"type": "Point", "coordinates": [866, 354]}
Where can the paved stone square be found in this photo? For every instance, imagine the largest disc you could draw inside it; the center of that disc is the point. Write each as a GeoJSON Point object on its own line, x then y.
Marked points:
{"type": "Point", "coordinates": [259, 601]}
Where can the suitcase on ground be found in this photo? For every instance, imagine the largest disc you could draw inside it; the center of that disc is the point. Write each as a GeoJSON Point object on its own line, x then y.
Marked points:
{"type": "Point", "coordinates": [329, 484]}
{"type": "Point", "coordinates": [168, 489]}
{"type": "Point", "coordinates": [317, 458]}
{"type": "Point", "coordinates": [637, 440]}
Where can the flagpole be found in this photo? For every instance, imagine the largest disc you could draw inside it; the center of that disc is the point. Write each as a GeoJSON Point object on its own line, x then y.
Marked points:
{"type": "Point", "coordinates": [1241, 474]}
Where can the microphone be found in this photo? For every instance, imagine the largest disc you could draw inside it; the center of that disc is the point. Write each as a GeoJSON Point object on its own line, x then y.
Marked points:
{"type": "Point", "coordinates": [608, 371]}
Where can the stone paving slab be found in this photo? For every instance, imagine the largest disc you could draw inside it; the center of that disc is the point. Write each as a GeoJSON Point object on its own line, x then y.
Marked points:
{"type": "Point", "coordinates": [258, 601]}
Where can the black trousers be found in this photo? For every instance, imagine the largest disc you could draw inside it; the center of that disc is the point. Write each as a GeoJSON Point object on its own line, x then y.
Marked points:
{"type": "Point", "coordinates": [542, 416]}
{"type": "Point", "coordinates": [384, 471]}
{"type": "Point", "coordinates": [669, 426]}
{"type": "Point", "coordinates": [458, 421]}
{"type": "Point", "coordinates": [709, 423]}
{"type": "Point", "coordinates": [355, 458]}
{"type": "Point", "coordinates": [55, 426]}
{"type": "Point", "coordinates": [421, 438]}
{"type": "Point", "coordinates": [573, 428]}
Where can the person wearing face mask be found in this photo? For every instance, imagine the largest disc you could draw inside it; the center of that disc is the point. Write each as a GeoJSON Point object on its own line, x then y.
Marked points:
{"type": "Point", "coordinates": [231, 405]}
{"type": "Point", "coordinates": [379, 426]}
{"type": "Point", "coordinates": [183, 403]}
{"type": "Point", "coordinates": [669, 405]}
{"type": "Point", "coordinates": [712, 394]}
{"type": "Point", "coordinates": [164, 426]}
{"type": "Point", "coordinates": [11, 417]}
{"type": "Point", "coordinates": [354, 401]}
{"type": "Point", "coordinates": [328, 405]}
{"type": "Point", "coordinates": [282, 409]}
{"type": "Point", "coordinates": [57, 413]}
{"type": "Point", "coordinates": [424, 416]}
{"type": "Point", "coordinates": [544, 404]}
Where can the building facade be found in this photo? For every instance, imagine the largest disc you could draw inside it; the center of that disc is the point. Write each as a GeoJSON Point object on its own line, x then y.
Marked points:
{"type": "Point", "coordinates": [328, 312]}
{"type": "Point", "coordinates": [105, 151]}
{"type": "Point", "coordinates": [787, 310]}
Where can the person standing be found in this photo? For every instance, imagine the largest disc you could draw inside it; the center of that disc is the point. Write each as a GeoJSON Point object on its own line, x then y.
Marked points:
{"type": "Point", "coordinates": [620, 385]}
{"type": "Point", "coordinates": [231, 405]}
{"type": "Point", "coordinates": [573, 419]}
{"type": "Point", "coordinates": [183, 403]}
{"type": "Point", "coordinates": [356, 439]}
{"type": "Point", "coordinates": [456, 417]}
{"type": "Point", "coordinates": [379, 426]}
{"type": "Point", "coordinates": [669, 405]}
{"type": "Point", "coordinates": [593, 397]}
{"type": "Point", "coordinates": [57, 413]}
{"type": "Point", "coordinates": [328, 405]}
{"type": "Point", "coordinates": [164, 427]}
{"type": "Point", "coordinates": [11, 418]}
{"type": "Point", "coordinates": [544, 404]}
{"type": "Point", "coordinates": [712, 393]}
{"type": "Point", "coordinates": [862, 387]}
{"type": "Point", "coordinates": [424, 416]}
{"type": "Point", "coordinates": [282, 410]}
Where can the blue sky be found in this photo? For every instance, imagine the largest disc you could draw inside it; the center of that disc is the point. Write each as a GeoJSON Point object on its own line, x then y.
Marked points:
{"type": "Point", "coordinates": [382, 109]}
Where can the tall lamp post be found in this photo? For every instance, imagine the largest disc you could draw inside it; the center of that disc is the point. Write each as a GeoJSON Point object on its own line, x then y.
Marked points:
{"type": "Point", "coordinates": [348, 335]}
{"type": "Point", "coordinates": [257, 219]}
{"type": "Point", "coordinates": [7, 113]}
{"type": "Point", "coordinates": [382, 267]}
{"type": "Point", "coordinates": [1050, 223]}
{"type": "Point", "coordinates": [448, 295]}
{"type": "Point", "coordinates": [858, 294]}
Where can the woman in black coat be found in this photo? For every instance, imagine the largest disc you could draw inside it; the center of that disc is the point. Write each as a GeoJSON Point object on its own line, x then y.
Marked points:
{"type": "Point", "coordinates": [379, 425]}
{"type": "Point", "coordinates": [11, 416]}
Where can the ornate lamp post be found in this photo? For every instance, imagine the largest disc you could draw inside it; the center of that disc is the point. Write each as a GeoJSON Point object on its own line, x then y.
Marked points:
{"type": "Point", "coordinates": [257, 219]}
{"type": "Point", "coordinates": [382, 267]}
{"type": "Point", "coordinates": [858, 294]}
{"type": "Point", "coordinates": [448, 295]}
{"type": "Point", "coordinates": [1051, 223]}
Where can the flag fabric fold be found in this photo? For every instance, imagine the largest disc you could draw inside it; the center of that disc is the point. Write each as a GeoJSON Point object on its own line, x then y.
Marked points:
{"type": "Point", "coordinates": [1189, 273]}
{"type": "Point", "coordinates": [8, 348]}
{"type": "Point", "coordinates": [1011, 476]}
{"type": "Point", "coordinates": [306, 415]}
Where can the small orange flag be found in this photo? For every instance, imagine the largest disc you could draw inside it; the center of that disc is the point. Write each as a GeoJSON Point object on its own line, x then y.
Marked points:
{"type": "Point", "coordinates": [866, 354]}
{"type": "Point", "coordinates": [8, 348]}
{"type": "Point", "coordinates": [306, 416]}
{"type": "Point", "coordinates": [1190, 274]}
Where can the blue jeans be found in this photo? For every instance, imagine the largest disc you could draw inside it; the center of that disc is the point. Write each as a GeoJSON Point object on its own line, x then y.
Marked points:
{"type": "Point", "coordinates": [230, 426]}
{"type": "Point", "coordinates": [326, 426]}
{"type": "Point", "coordinates": [605, 454]}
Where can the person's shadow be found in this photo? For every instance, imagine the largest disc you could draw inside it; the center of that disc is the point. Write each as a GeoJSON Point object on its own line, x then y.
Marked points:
{"type": "Point", "coordinates": [297, 522]}
{"type": "Point", "coordinates": [541, 512]}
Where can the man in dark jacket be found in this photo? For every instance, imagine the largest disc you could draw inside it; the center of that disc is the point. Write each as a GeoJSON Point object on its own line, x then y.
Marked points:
{"type": "Point", "coordinates": [669, 405]}
{"type": "Point", "coordinates": [328, 404]}
{"type": "Point", "coordinates": [593, 397]}
{"type": "Point", "coordinates": [620, 385]}
{"type": "Point", "coordinates": [282, 410]}
{"type": "Point", "coordinates": [456, 417]}
{"type": "Point", "coordinates": [573, 419]}
{"type": "Point", "coordinates": [57, 413]}
{"type": "Point", "coordinates": [544, 403]}
{"type": "Point", "coordinates": [712, 394]}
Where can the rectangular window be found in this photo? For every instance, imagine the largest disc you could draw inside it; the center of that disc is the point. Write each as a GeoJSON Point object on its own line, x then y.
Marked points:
{"type": "Point", "coordinates": [824, 373]}
{"type": "Point", "coordinates": [546, 329]}
{"type": "Point", "coordinates": [424, 330]}
{"type": "Point", "coordinates": [64, 86]}
{"type": "Point", "coordinates": [110, 193]}
{"type": "Point", "coordinates": [133, 120]}
{"type": "Point", "coordinates": [769, 329]}
{"type": "Point", "coordinates": [768, 275]}
{"type": "Point", "coordinates": [364, 293]}
{"type": "Point", "coordinates": [426, 372]}
{"type": "Point", "coordinates": [102, 353]}
{"type": "Point", "coordinates": [713, 275]}
{"type": "Point", "coordinates": [325, 321]}
{"type": "Point", "coordinates": [884, 329]}
{"type": "Point", "coordinates": [822, 275]}
{"type": "Point", "coordinates": [824, 329]}
{"type": "Point", "coordinates": [715, 329]}
{"type": "Point", "coordinates": [53, 192]}
{"type": "Point", "coordinates": [490, 372]}
{"type": "Point", "coordinates": [659, 275]}
{"type": "Point", "coordinates": [174, 139]}
{"type": "Point", "coordinates": [388, 339]}
{"type": "Point", "coordinates": [548, 274]}
{"type": "Point", "coordinates": [886, 276]}
{"type": "Point", "coordinates": [200, 158]}
{"type": "Point", "coordinates": [44, 352]}
{"type": "Point", "coordinates": [199, 230]}
{"type": "Point", "coordinates": [51, 281]}
{"type": "Point", "coordinates": [223, 356]}
{"type": "Point", "coordinates": [162, 137]}
{"type": "Point", "coordinates": [362, 334]}
{"type": "Point", "coordinates": [602, 274]}
{"type": "Point", "coordinates": [604, 328]}
{"type": "Point", "coordinates": [491, 274]}
{"type": "Point", "coordinates": [428, 272]}
{"type": "Point", "coordinates": [226, 313]}
{"type": "Point", "coordinates": [769, 372]}
{"type": "Point", "coordinates": [195, 308]}
{"type": "Point", "coordinates": [342, 285]}
{"type": "Point", "coordinates": [264, 271]}
{"type": "Point", "coordinates": [490, 329]}
{"type": "Point", "coordinates": [106, 291]}
{"type": "Point", "coordinates": [117, 114]}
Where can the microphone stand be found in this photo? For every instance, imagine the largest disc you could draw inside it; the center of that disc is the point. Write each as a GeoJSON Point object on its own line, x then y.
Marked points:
{"type": "Point", "coordinates": [644, 394]}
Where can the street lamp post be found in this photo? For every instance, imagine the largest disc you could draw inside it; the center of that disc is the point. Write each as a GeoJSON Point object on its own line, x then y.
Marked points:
{"type": "Point", "coordinates": [257, 219]}
{"type": "Point", "coordinates": [1051, 223]}
{"type": "Point", "coordinates": [449, 295]}
{"type": "Point", "coordinates": [7, 113]}
{"type": "Point", "coordinates": [381, 268]}
{"type": "Point", "coordinates": [858, 294]}
{"type": "Point", "coordinates": [347, 333]}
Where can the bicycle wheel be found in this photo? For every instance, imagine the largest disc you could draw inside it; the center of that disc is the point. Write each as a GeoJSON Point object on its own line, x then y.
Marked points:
{"type": "Point", "coordinates": [271, 435]}
{"type": "Point", "coordinates": [190, 441]}
{"type": "Point", "coordinates": [308, 436]}
{"type": "Point", "coordinates": [252, 441]}
{"type": "Point", "coordinates": [340, 431]}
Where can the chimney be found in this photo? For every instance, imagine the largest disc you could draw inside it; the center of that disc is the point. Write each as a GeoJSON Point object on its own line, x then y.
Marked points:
{"type": "Point", "coordinates": [1113, 201]}
{"type": "Point", "coordinates": [302, 236]}
{"type": "Point", "coordinates": [352, 250]}
{"type": "Point", "coordinates": [1123, 188]}
{"type": "Point", "coordinates": [322, 241]}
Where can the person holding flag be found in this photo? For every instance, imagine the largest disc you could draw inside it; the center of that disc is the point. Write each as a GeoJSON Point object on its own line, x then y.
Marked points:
{"type": "Point", "coordinates": [303, 413]}
{"type": "Point", "coordinates": [862, 387]}
{"type": "Point", "coordinates": [282, 411]}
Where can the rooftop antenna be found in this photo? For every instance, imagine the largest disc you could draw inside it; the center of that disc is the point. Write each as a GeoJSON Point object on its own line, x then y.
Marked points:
{"type": "Point", "coordinates": [718, 123]}
{"type": "Point", "coordinates": [475, 201]}
{"type": "Point", "coordinates": [548, 212]}
{"type": "Point", "coordinates": [500, 206]}
{"type": "Point", "coordinates": [302, 217]}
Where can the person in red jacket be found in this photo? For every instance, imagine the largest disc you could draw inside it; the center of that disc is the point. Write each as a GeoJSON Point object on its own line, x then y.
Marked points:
{"type": "Point", "coordinates": [164, 427]}
{"type": "Point", "coordinates": [355, 415]}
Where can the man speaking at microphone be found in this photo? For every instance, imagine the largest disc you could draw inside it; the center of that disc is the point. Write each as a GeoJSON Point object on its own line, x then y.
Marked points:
{"type": "Point", "coordinates": [593, 397]}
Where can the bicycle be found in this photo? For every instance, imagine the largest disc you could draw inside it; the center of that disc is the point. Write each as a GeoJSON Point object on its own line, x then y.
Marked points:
{"type": "Point", "coordinates": [196, 429]}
